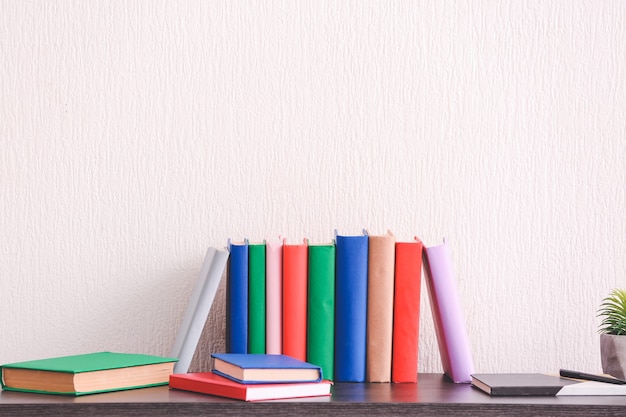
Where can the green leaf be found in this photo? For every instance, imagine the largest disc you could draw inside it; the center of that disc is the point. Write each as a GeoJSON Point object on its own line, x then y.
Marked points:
{"type": "Point", "coordinates": [613, 313]}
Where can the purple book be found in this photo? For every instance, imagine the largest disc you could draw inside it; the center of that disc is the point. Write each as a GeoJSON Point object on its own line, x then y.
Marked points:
{"type": "Point", "coordinates": [452, 338]}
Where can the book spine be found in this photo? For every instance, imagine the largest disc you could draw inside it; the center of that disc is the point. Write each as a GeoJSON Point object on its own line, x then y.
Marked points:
{"type": "Point", "coordinates": [407, 292]}
{"type": "Point", "coordinates": [380, 264]}
{"type": "Point", "coordinates": [256, 298]}
{"type": "Point", "coordinates": [274, 297]}
{"type": "Point", "coordinates": [321, 309]}
{"type": "Point", "coordinates": [237, 299]}
{"type": "Point", "coordinates": [295, 300]}
{"type": "Point", "coordinates": [449, 321]}
{"type": "Point", "coordinates": [350, 308]}
{"type": "Point", "coordinates": [198, 308]}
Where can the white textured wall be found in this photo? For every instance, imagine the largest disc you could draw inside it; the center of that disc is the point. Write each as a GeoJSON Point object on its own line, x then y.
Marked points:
{"type": "Point", "coordinates": [135, 134]}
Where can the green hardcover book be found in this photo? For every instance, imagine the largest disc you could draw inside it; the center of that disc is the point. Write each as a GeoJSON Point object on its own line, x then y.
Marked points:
{"type": "Point", "coordinates": [321, 308]}
{"type": "Point", "coordinates": [87, 374]}
{"type": "Point", "coordinates": [256, 298]}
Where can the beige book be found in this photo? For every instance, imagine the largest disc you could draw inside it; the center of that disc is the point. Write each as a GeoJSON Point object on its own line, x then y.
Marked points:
{"type": "Point", "coordinates": [381, 261]}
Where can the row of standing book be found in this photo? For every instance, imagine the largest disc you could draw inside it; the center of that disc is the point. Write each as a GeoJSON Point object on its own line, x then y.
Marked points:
{"type": "Point", "coordinates": [335, 276]}
{"type": "Point", "coordinates": [339, 289]}
{"type": "Point", "coordinates": [350, 306]}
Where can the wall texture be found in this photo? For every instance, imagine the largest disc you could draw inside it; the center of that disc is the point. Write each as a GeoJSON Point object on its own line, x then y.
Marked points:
{"type": "Point", "coordinates": [135, 134]}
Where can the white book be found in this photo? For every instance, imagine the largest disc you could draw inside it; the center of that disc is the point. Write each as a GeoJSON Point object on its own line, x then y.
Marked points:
{"type": "Point", "coordinates": [198, 309]}
{"type": "Point", "coordinates": [593, 388]}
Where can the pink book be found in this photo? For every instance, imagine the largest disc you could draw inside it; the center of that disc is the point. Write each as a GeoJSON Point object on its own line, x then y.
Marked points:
{"type": "Point", "coordinates": [452, 337]}
{"type": "Point", "coordinates": [274, 296]}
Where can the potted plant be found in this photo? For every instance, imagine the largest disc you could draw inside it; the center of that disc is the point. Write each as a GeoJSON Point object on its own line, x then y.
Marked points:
{"type": "Point", "coordinates": [613, 333]}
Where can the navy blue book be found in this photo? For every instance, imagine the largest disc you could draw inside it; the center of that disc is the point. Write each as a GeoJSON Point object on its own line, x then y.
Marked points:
{"type": "Point", "coordinates": [237, 298]}
{"type": "Point", "coordinates": [350, 308]}
{"type": "Point", "coordinates": [261, 368]}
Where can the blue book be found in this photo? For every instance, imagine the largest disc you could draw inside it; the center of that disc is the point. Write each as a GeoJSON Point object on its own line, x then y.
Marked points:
{"type": "Point", "coordinates": [260, 368]}
{"type": "Point", "coordinates": [237, 298]}
{"type": "Point", "coordinates": [350, 308]}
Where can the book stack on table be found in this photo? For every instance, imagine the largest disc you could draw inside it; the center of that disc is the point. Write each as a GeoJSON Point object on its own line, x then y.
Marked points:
{"type": "Point", "coordinates": [256, 377]}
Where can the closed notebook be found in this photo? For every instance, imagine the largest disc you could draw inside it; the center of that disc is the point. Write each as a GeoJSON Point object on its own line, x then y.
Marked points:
{"type": "Point", "coordinates": [538, 384]}
{"type": "Point", "coordinates": [87, 373]}
{"type": "Point", "coordinates": [520, 384]}
{"type": "Point", "coordinates": [265, 368]}
{"type": "Point", "coordinates": [213, 384]}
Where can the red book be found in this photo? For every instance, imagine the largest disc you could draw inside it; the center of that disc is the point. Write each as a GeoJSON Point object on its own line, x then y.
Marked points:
{"type": "Point", "coordinates": [210, 383]}
{"type": "Point", "coordinates": [408, 275]}
{"type": "Point", "coordinates": [295, 299]}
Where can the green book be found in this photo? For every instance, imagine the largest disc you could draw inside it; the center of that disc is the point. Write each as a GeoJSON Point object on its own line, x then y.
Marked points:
{"type": "Point", "coordinates": [256, 298]}
{"type": "Point", "coordinates": [321, 308]}
{"type": "Point", "coordinates": [87, 374]}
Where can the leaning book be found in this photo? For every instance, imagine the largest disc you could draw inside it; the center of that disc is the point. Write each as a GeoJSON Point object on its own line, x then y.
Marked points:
{"type": "Point", "coordinates": [198, 308]}
{"type": "Point", "coordinates": [213, 384]}
{"type": "Point", "coordinates": [452, 338]}
{"type": "Point", "coordinates": [88, 373]}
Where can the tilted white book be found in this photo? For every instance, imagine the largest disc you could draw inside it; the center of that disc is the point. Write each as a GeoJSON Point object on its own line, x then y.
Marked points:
{"type": "Point", "coordinates": [198, 309]}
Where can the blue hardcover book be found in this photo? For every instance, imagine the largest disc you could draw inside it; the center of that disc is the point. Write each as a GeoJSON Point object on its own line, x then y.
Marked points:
{"type": "Point", "coordinates": [350, 308]}
{"type": "Point", "coordinates": [261, 368]}
{"type": "Point", "coordinates": [237, 298]}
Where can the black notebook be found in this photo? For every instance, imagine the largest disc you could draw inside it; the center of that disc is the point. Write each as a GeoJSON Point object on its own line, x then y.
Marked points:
{"type": "Point", "coordinates": [520, 384]}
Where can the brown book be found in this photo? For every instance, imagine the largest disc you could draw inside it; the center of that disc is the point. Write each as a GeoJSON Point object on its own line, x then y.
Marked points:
{"type": "Point", "coordinates": [380, 270]}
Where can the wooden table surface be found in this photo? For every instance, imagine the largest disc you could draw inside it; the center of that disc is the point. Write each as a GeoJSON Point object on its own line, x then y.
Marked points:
{"type": "Point", "coordinates": [432, 395]}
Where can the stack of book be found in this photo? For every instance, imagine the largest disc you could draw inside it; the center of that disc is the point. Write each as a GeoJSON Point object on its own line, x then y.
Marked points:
{"type": "Point", "coordinates": [350, 306]}
{"type": "Point", "coordinates": [256, 377]}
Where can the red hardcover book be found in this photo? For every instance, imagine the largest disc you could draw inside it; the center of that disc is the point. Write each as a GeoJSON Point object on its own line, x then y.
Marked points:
{"type": "Point", "coordinates": [406, 313]}
{"type": "Point", "coordinates": [295, 299]}
{"type": "Point", "coordinates": [213, 384]}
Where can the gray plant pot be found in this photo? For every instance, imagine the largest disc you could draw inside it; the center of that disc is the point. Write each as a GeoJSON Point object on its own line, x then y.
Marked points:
{"type": "Point", "coordinates": [613, 354]}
